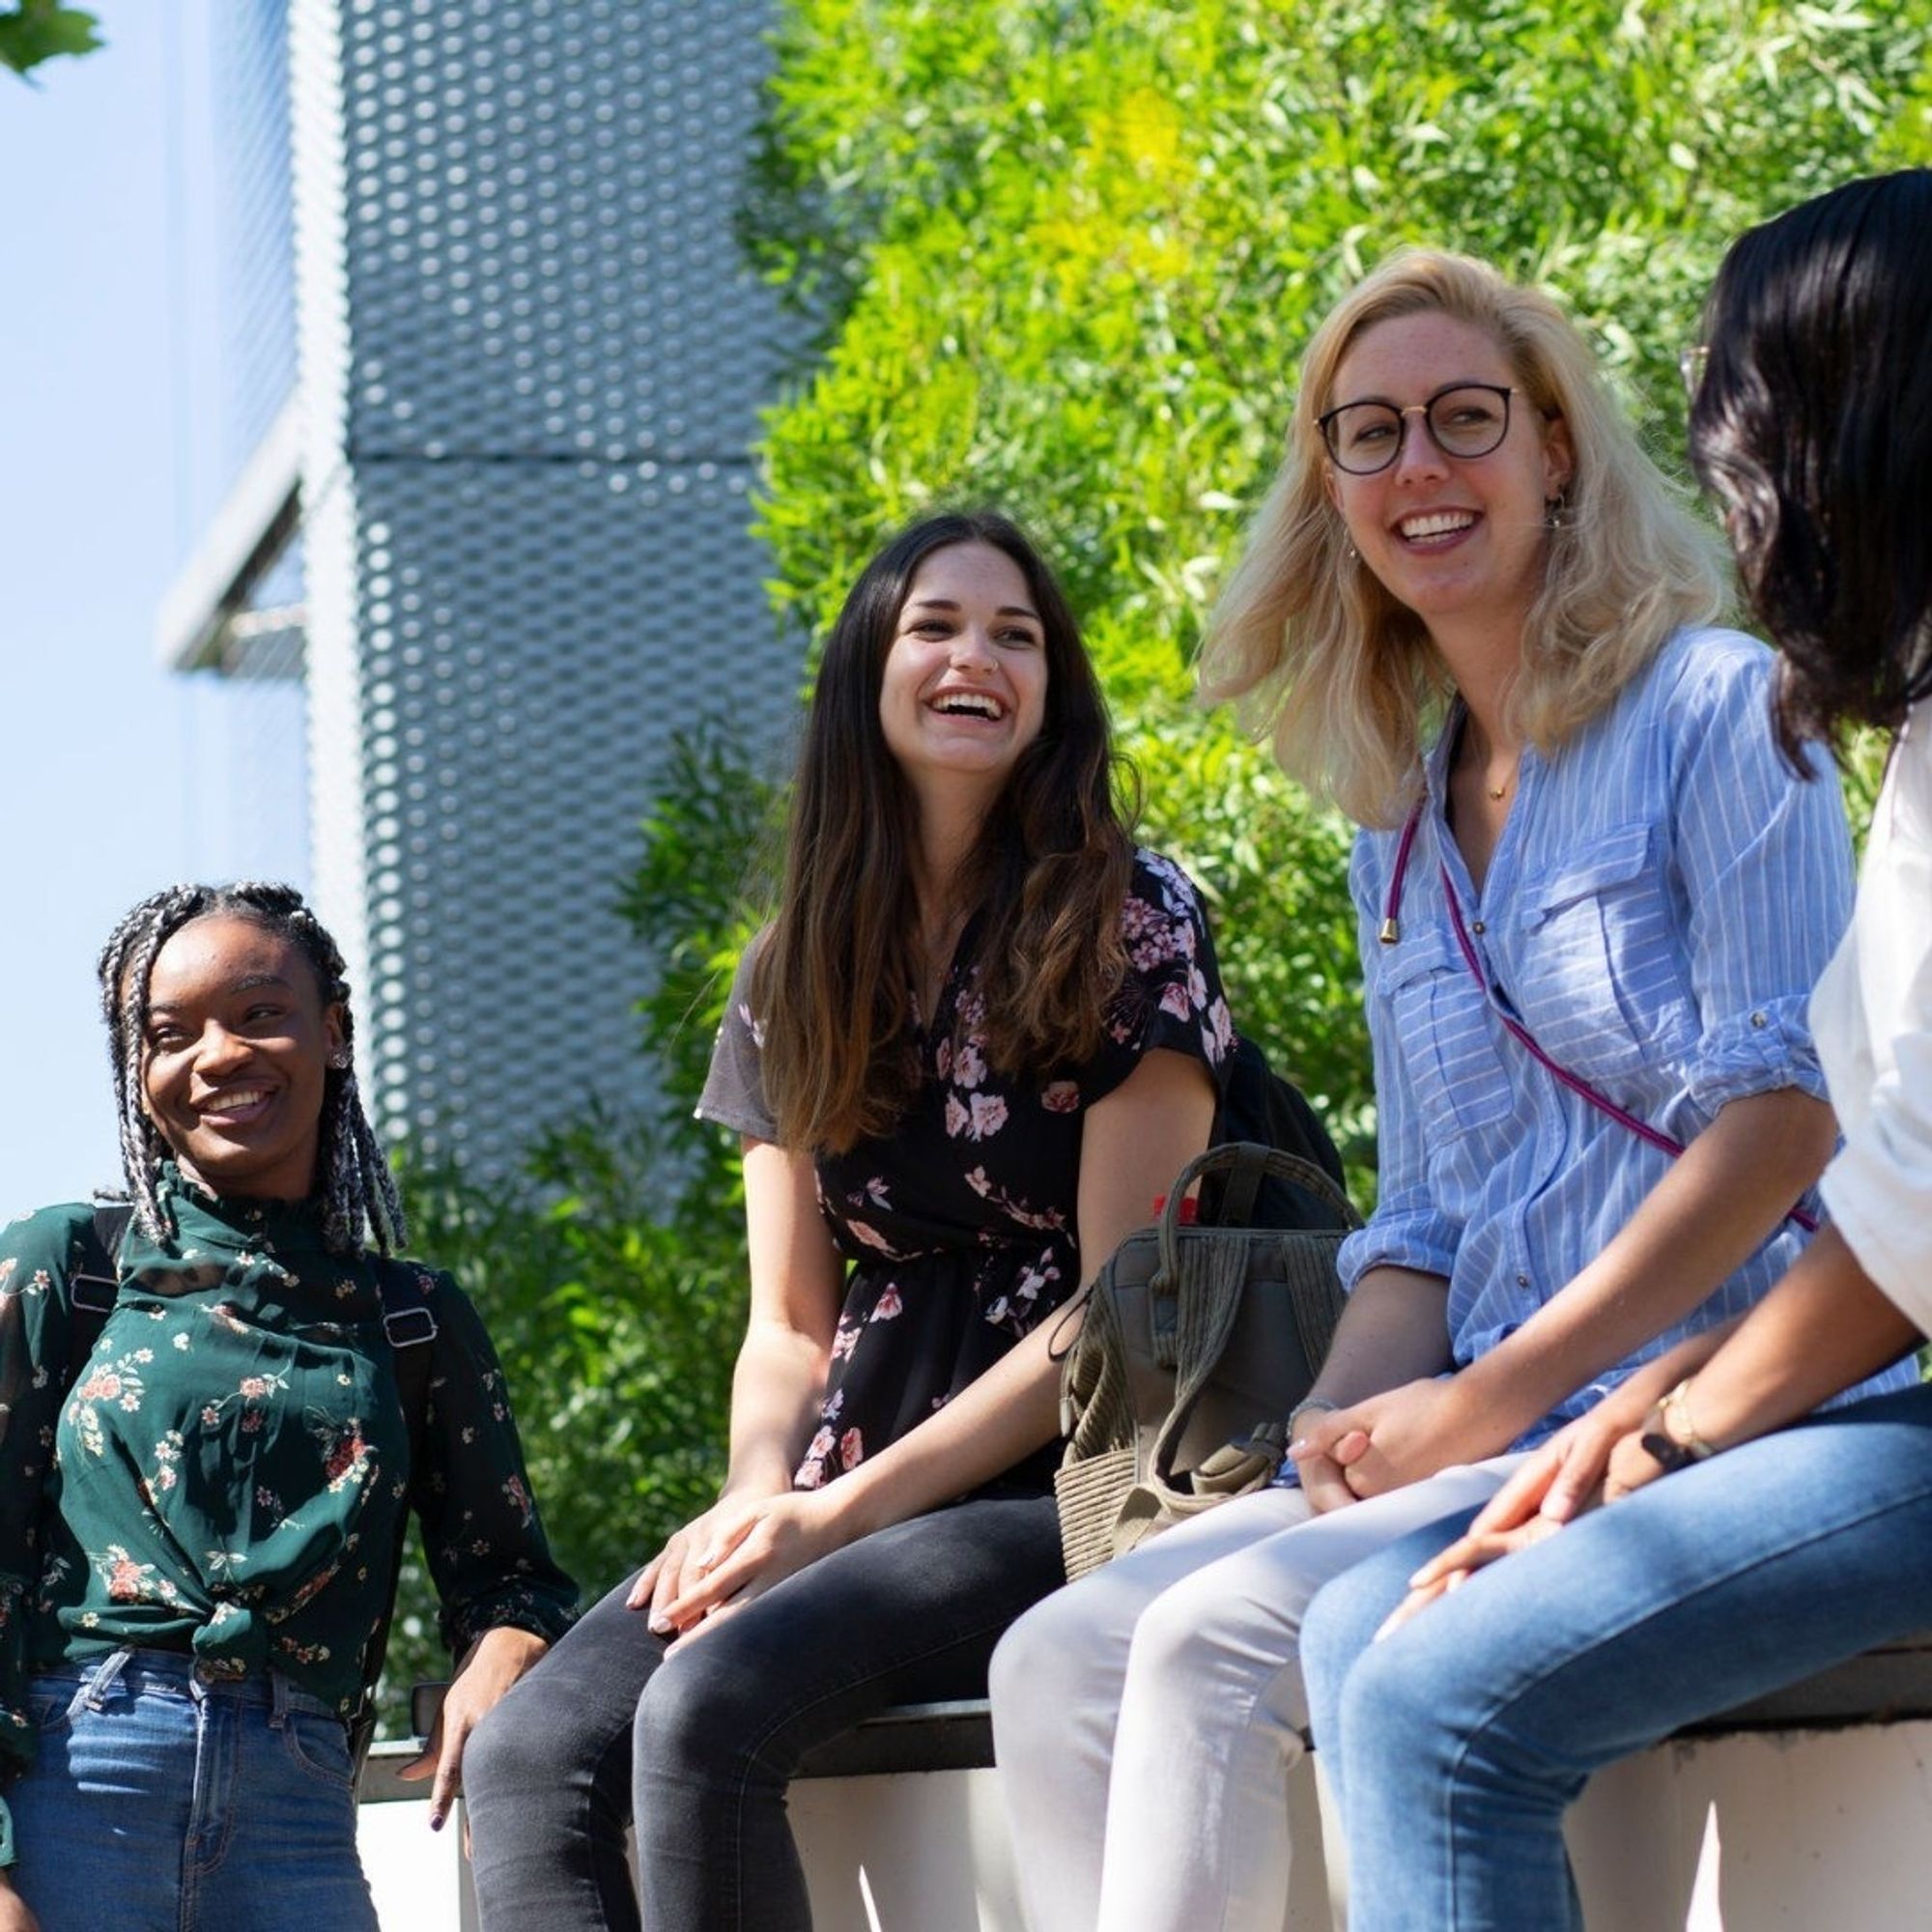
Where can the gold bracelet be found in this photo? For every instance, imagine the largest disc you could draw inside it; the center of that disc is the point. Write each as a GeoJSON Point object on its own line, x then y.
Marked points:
{"type": "Point", "coordinates": [1673, 1411]}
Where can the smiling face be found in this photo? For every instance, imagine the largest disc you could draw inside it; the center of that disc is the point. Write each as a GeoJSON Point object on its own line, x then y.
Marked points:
{"type": "Point", "coordinates": [235, 1056]}
{"type": "Point", "coordinates": [1460, 541]}
{"type": "Point", "coordinates": [964, 691]}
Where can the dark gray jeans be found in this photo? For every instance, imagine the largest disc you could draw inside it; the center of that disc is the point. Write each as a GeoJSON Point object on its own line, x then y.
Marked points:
{"type": "Point", "coordinates": [699, 1750]}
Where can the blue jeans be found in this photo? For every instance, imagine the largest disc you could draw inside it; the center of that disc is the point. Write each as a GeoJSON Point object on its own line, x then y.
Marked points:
{"type": "Point", "coordinates": [160, 1803]}
{"type": "Point", "coordinates": [1454, 1745]}
{"type": "Point", "coordinates": [700, 1748]}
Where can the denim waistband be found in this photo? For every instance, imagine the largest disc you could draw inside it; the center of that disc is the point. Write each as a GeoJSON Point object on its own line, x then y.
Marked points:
{"type": "Point", "coordinates": [176, 1671]}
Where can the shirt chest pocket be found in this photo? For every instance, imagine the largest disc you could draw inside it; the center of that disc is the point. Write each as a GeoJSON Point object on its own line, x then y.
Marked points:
{"type": "Point", "coordinates": [1599, 979]}
{"type": "Point", "coordinates": [1444, 1036]}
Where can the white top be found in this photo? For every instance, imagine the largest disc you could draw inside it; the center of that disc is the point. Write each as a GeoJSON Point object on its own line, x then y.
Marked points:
{"type": "Point", "coordinates": [1871, 1016]}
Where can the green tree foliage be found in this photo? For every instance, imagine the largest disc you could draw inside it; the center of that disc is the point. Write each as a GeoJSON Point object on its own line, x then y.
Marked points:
{"type": "Point", "coordinates": [1065, 257]}
{"type": "Point", "coordinates": [32, 31]}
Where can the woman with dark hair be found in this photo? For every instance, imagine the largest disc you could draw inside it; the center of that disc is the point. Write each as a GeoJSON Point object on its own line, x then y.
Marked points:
{"type": "Point", "coordinates": [202, 1496]}
{"type": "Point", "coordinates": [978, 1039]}
{"type": "Point", "coordinates": [1456, 1742]}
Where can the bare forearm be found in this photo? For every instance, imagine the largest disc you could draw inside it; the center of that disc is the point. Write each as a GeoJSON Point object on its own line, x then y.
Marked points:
{"type": "Point", "coordinates": [1395, 1329]}
{"type": "Point", "coordinates": [1696, 1226]}
{"type": "Point", "coordinates": [1822, 1328]}
{"type": "Point", "coordinates": [776, 1390]}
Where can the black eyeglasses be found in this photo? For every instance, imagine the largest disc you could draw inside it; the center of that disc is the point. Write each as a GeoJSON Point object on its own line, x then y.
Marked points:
{"type": "Point", "coordinates": [1464, 420]}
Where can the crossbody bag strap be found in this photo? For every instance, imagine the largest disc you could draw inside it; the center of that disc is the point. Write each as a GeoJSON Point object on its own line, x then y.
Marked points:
{"type": "Point", "coordinates": [1665, 1143]}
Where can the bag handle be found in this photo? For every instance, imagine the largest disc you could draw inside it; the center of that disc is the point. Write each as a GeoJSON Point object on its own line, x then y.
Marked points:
{"type": "Point", "coordinates": [1249, 1162]}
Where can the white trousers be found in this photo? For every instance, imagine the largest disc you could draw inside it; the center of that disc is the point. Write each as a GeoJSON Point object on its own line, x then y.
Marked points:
{"type": "Point", "coordinates": [1145, 1719]}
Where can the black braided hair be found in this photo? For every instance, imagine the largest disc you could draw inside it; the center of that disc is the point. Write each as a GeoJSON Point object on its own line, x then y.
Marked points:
{"type": "Point", "coordinates": [353, 1188]}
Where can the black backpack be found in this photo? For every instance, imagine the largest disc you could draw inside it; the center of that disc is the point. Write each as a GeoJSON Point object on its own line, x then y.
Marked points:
{"type": "Point", "coordinates": [93, 1284]}
{"type": "Point", "coordinates": [1266, 1110]}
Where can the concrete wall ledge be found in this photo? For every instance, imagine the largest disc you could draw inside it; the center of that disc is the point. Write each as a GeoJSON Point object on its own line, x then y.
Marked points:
{"type": "Point", "coordinates": [1803, 1809]}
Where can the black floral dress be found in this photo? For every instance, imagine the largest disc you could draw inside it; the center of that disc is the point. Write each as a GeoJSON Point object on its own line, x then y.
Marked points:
{"type": "Point", "coordinates": [960, 1223]}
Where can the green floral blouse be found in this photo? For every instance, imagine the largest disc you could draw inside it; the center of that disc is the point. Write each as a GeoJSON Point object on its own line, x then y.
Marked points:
{"type": "Point", "coordinates": [225, 1475]}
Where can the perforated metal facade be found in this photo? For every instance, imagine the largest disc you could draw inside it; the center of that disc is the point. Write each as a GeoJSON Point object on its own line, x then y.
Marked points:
{"type": "Point", "coordinates": [531, 365]}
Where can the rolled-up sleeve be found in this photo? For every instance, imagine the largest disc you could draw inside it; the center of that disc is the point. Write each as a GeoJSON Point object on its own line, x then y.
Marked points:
{"type": "Point", "coordinates": [484, 1540]}
{"type": "Point", "coordinates": [1766, 860]}
{"type": "Point", "coordinates": [1408, 1229]}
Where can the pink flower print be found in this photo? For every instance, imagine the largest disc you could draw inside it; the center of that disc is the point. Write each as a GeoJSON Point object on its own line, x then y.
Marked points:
{"type": "Point", "coordinates": [989, 1115]}
{"type": "Point", "coordinates": [103, 1385]}
{"type": "Point", "coordinates": [851, 1449]}
{"type": "Point", "coordinates": [253, 1387]}
{"type": "Point", "coordinates": [942, 1059]}
{"type": "Point", "coordinates": [210, 1416]}
{"type": "Point", "coordinates": [348, 1453]}
{"type": "Point", "coordinates": [869, 1236]}
{"type": "Point", "coordinates": [251, 1421]}
{"type": "Point", "coordinates": [1061, 1096]}
{"type": "Point", "coordinates": [1218, 1034]}
{"type": "Point", "coordinates": [821, 1446]}
{"type": "Point", "coordinates": [1175, 1000]}
{"type": "Point", "coordinates": [969, 1066]}
{"type": "Point", "coordinates": [520, 1499]}
{"type": "Point", "coordinates": [887, 1306]}
{"type": "Point", "coordinates": [957, 1119]}
{"type": "Point", "coordinates": [124, 1578]}
{"type": "Point", "coordinates": [1035, 1279]}
{"type": "Point", "coordinates": [810, 1475]}
{"type": "Point", "coordinates": [844, 1339]}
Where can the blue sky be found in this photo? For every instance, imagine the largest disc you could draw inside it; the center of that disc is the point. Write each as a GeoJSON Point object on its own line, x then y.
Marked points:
{"type": "Point", "coordinates": [107, 464]}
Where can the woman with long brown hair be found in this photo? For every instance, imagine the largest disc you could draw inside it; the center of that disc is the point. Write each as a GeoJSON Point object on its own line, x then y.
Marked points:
{"type": "Point", "coordinates": [980, 1034]}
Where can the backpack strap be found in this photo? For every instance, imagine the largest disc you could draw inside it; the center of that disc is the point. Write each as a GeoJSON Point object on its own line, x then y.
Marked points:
{"type": "Point", "coordinates": [412, 1325]}
{"type": "Point", "coordinates": [94, 1281]}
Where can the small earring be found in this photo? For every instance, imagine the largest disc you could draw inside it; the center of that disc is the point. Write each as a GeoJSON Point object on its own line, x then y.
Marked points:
{"type": "Point", "coordinates": [1351, 552]}
{"type": "Point", "coordinates": [340, 1060]}
{"type": "Point", "coordinates": [1553, 517]}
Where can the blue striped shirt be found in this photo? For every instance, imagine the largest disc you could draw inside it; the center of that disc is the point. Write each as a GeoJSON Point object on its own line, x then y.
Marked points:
{"type": "Point", "coordinates": [1661, 898]}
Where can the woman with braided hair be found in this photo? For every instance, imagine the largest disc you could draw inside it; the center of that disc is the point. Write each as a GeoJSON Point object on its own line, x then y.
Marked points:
{"type": "Point", "coordinates": [201, 1510]}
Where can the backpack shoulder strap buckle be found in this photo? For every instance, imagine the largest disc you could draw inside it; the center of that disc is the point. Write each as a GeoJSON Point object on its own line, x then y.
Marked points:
{"type": "Point", "coordinates": [96, 1294]}
{"type": "Point", "coordinates": [409, 1328]}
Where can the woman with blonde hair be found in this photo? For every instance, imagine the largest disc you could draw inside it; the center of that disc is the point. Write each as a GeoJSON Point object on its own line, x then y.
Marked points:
{"type": "Point", "coordinates": [1740, 1553]}
{"type": "Point", "coordinates": [1591, 900]}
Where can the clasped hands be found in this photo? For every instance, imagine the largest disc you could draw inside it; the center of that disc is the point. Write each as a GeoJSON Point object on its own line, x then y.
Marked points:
{"type": "Point", "coordinates": [1385, 1441]}
{"type": "Point", "coordinates": [732, 1554]}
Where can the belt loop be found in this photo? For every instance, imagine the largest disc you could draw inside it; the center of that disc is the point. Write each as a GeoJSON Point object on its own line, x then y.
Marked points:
{"type": "Point", "coordinates": [105, 1678]}
{"type": "Point", "coordinates": [278, 1700]}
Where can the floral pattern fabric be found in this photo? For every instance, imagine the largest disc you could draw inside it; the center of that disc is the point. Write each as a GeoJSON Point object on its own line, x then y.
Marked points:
{"type": "Point", "coordinates": [960, 1223]}
{"type": "Point", "coordinates": [226, 1475]}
